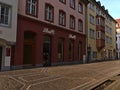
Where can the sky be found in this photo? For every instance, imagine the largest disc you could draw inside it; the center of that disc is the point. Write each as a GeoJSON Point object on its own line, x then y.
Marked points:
{"type": "Point", "coordinates": [113, 7]}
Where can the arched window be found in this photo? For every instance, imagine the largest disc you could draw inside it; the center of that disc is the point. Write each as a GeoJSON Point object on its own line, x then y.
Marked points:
{"type": "Point", "coordinates": [60, 49]}
{"type": "Point", "coordinates": [80, 8]}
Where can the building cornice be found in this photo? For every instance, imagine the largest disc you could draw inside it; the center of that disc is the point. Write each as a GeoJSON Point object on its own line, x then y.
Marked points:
{"type": "Point", "coordinates": [41, 22]}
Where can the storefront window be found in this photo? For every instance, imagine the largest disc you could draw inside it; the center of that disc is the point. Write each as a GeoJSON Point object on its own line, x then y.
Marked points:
{"type": "Point", "coordinates": [79, 50]}
{"type": "Point", "coordinates": [71, 50]}
{"type": "Point", "coordinates": [60, 49]}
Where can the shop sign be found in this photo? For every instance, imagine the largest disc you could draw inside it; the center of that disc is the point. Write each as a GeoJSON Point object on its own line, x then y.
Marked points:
{"type": "Point", "coordinates": [71, 36]}
{"type": "Point", "coordinates": [48, 31]}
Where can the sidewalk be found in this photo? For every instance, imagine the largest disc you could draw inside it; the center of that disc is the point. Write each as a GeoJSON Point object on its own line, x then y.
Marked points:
{"type": "Point", "coordinates": [70, 77]}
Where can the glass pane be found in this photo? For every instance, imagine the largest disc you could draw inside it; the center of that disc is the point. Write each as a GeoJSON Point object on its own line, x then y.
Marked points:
{"type": "Point", "coordinates": [7, 11]}
{"type": "Point", "coordinates": [28, 8]}
{"type": "Point", "coordinates": [2, 19]}
{"type": "Point", "coordinates": [6, 19]}
{"type": "Point", "coordinates": [33, 1]}
{"type": "Point", "coordinates": [71, 49]}
{"type": "Point", "coordinates": [33, 10]}
{"type": "Point", "coordinates": [60, 49]}
{"type": "Point", "coordinates": [2, 10]}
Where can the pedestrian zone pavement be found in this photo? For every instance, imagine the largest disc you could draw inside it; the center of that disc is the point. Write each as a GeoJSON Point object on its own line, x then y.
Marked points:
{"type": "Point", "coordinates": [92, 76]}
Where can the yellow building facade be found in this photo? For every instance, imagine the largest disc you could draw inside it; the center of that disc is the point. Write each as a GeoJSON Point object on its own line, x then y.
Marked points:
{"type": "Point", "coordinates": [101, 33]}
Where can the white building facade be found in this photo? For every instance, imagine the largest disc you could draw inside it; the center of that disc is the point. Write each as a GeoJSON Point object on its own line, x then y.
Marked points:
{"type": "Point", "coordinates": [8, 27]}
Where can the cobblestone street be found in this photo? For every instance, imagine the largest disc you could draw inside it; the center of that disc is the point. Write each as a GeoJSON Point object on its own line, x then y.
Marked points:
{"type": "Point", "coordinates": [70, 77]}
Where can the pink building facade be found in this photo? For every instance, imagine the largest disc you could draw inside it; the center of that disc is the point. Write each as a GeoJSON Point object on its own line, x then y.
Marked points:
{"type": "Point", "coordinates": [50, 32]}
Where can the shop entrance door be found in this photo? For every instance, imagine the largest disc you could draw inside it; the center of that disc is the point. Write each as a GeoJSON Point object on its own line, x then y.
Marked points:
{"type": "Point", "coordinates": [29, 49]}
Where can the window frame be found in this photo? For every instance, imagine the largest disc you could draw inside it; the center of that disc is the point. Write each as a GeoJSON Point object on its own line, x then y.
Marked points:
{"type": "Point", "coordinates": [81, 5]}
{"type": "Point", "coordinates": [98, 35]}
{"type": "Point", "coordinates": [8, 16]}
{"type": "Point", "coordinates": [92, 35]}
{"type": "Point", "coordinates": [60, 49]}
{"type": "Point", "coordinates": [30, 13]}
{"type": "Point", "coordinates": [92, 6]}
{"type": "Point", "coordinates": [63, 12]}
{"type": "Point", "coordinates": [73, 19]}
{"type": "Point", "coordinates": [51, 7]}
{"type": "Point", "coordinates": [71, 50]}
{"type": "Point", "coordinates": [80, 21]}
{"type": "Point", "coordinates": [92, 19]}
{"type": "Point", "coordinates": [72, 5]}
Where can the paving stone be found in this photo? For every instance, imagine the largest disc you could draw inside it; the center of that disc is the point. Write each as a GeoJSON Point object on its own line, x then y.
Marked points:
{"type": "Point", "coordinates": [69, 77]}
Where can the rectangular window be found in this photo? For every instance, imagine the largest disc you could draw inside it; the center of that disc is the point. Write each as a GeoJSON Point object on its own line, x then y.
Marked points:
{"type": "Point", "coordinates": [72, 22]}
{"type": "Point", "coordinates": [72, 4]}
{"type": "Point", "coordinates": [80, 8]}
{"type": "Point", "coordinates": [107, 19]}
{"type": "Point", "coordinates": [60, 49]}
{"type": "Point", "coordinates": [98, 21]}
{"type": "Point", "coordinates": [5, 14]}
{"type": "Point", "coordinates": [92, 33]}
{"type": "Point", "coordinates": [102, 22]}
{"type": "Point", "coordinates": [107, 39]}
{"type": "Point", "coordinates": [80, 25]}
{"type": "Point", "coordinates": [92, 6]}
{"type": "Point", "coordinates": [71, 50]}
{"type": "Point", "coordinates": [79, 50]}
{"type": "Point", "coordinates": [31, 7]}
{"type": "Point", "coordinates": [97, 11]}
{"type": "Point", "coordinates": [110, 40]}
{"type": "Point", "coordinates": [110, 31]}
{"type": "Point", "coordinates": [98, 36]}
{"type": "Point", "coordinates": [49, 12]}
{"type": "Point", "coordinates": [62, 17]}
{"type": "Point", "coordinates": [63, 1]}
{"type": "Point", "coordinates": [92, 19]}
{"type": "Point", "coordinates": [106, 28]}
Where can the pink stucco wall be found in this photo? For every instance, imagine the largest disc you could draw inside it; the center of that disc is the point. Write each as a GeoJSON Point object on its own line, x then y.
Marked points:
{"type": "Point", "coordinates": [57, 6]}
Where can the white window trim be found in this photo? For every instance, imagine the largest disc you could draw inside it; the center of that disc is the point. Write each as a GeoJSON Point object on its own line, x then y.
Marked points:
{"type": "Point", "coordinates": [9, 15]}
{"type": "Point", "coordinates": [72, 22]}
{"type": "Point", "coordinates": [32, 4]}
{"type": "Point", "coordinates": [49, 13]}
{"type": "Point", "coordinates": [62, 18]}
